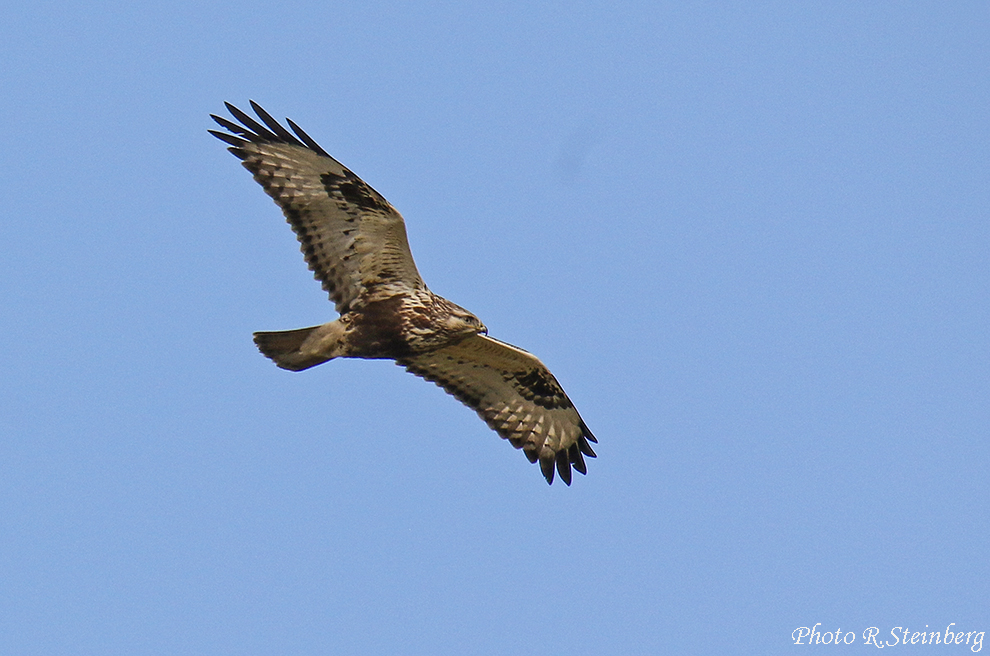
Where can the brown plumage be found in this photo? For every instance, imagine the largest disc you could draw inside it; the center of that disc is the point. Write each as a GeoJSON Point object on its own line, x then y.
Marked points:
{"type": "Point", "coordinates": [355, 243]}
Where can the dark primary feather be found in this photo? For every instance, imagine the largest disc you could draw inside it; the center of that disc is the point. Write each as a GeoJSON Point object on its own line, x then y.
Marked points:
{"type": "Point", "coordinates": [254, 126]}
{"type": "Point", "coordinates": [312, 145]}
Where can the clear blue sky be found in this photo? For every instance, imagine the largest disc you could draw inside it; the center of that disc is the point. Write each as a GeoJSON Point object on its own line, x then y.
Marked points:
{"type": "Point", "coordinates": [751, 241]}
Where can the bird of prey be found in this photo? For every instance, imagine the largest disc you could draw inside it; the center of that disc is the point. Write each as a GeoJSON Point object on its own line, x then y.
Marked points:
{"type": "Point", "coordinates": [355, 243]}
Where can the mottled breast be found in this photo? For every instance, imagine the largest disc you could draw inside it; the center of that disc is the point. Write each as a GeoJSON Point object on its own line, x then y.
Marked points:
{"type": "Point", "coordinates": [400, 325]}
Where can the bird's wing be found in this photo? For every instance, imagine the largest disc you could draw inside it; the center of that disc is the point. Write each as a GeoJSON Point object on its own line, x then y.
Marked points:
{"type": "Point", "coordinates": [352, 238]}
{"type": "Point", "coordinates": [516, 395]}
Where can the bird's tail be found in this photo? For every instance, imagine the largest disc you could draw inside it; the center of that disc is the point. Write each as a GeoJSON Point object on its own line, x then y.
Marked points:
{"type": "Point", "coordinates": [287, 348]}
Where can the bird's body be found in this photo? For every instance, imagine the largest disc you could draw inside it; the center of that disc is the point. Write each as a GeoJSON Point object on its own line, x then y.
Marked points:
{"type": "Point", "coordinates": [426, 322]}
{"type": "Point", "coordinates": [355, 243]}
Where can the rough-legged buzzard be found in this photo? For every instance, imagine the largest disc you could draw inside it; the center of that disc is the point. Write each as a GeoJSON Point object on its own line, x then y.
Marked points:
{"type": "Point", "coordinates": [355, 243]}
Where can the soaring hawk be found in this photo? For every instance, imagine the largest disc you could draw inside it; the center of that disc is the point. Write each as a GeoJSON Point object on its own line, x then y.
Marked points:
{"type": "Point", "coordinates": [355, 243]}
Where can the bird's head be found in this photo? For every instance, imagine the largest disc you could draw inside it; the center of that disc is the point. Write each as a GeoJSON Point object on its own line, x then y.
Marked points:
{"type": "Point", "coordinates": [461, 322]}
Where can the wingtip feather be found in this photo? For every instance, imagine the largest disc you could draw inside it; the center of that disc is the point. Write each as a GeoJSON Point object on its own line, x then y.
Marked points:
{"type": "Point", "coordinates": [274, 125]}
{"type": "Point", "coordinates": [231, 139]}
{"type": "Point", "coordinates": [564, 466]}
{"type": "Point", "coordinates": [546, 465]}
{"type": "Point", "coordinates": [251, 130]}
{"type": "Point", "coordinates": [306, 139]}
{"type": "Point", "coordinates": [586, 448]}
{"type": "Point", "coordinates": [251, 124]}
{"type": "Point", "coordinates": [577, 460]}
